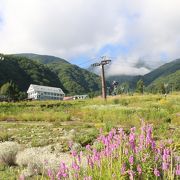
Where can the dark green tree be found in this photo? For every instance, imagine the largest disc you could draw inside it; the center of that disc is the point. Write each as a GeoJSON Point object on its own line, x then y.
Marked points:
{"type": "Point", "coordinates": [140, 86]}
{"type": "Point", "coordinates": [123, 88]}
{"type": "Point", "coordinates": [10, 91]}
{"type": "Point", "coordinates": [162, 88]}
{"type": "Point", "coordinates": [22, 95]}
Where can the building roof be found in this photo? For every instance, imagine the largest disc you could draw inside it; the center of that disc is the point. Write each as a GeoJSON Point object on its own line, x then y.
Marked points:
{"type": "Point", "coordinates": [68, 98]}
{"type": "Point", "coordinates": [45, 89]}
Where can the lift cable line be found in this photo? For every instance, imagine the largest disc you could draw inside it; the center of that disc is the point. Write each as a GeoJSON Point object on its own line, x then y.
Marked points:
{"type": "Point", "coordinates": [104, 61]}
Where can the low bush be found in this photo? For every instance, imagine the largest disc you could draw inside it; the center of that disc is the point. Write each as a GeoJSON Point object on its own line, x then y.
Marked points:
{"type": "Point", "coordinates": [37, 161]}
{"type": "Point", "coordinates": [86, 137]}
{"type": "Point", "coordinates": [4, 136]}
{"type": "Point", "coordinates": [8, 152]}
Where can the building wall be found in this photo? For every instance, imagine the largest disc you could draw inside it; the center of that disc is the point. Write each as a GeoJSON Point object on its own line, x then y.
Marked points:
{"type": "Point", "coordinates": [39, 95]}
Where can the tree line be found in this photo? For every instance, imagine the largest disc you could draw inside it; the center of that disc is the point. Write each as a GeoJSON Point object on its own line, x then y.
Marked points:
{"type": "Point", "coordinates": [10, 92]}
{"type": "Point", "coordinates": [124, 88]}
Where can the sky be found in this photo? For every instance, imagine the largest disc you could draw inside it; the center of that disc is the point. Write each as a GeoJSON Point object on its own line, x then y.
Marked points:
{"type": "Point", "coordinates": [81, 31]}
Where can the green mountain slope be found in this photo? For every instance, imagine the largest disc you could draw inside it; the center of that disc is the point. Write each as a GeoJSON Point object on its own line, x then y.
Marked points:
{"type": "Point", "coordinates": [172, 81]}
{"type": "Point", "coordinates": [24, 69]}
{"type": "Point", "coordinates": [75, 80]}
{"type": "Point", "coordinates": [45, 59]}
{"type": "Point", "coordinates": [160, 72]}
{"type": "Point", "coordinates": [23, 72]}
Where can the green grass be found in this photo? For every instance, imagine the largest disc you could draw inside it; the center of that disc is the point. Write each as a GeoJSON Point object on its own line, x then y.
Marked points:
{"type": "Point", "coordinates": [39, 123]}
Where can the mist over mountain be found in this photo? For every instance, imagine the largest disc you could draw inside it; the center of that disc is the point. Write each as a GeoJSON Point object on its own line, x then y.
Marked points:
{"type": "Point", "coordinates": [161, 74]}
{"type": "Point", "coordinates": [127, 67]}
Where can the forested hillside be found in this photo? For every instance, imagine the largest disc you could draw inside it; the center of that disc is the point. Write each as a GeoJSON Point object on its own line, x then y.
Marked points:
{"type": "Point", "coordinates": [24, 69]}
{"type": "Point", "coordinates": [75, 80]}
{"type": "Point", "coordinates": [167, 73]}
{"type": "Point", "coordinates": [172, 81]}
{"type": "Point", "coordinates": [23, 72]}
{"type": "Point", "coordinates": [162, 71]}
{"type": "Point", "coordinates": [45, 59]}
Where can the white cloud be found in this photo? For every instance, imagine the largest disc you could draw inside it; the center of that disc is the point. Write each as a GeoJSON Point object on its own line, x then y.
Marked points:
{"type": "Point", "coordinates": [68, 28]}
{"type": "Point", "coordinates": [63, 27]}
{"type": "Point", "coordinates": [127, 66]}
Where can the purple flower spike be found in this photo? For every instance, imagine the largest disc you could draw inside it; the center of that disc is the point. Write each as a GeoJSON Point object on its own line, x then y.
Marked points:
{"type": "Point", "coordinates": [75, 166]}
{"type": "Point", "coordinates": [123, 169]}
{"type": "Point", "coordinates": [50, 174]}
{"type": "Point", "coordinates": [156, 172]}
{"type": "Point", "coordinates": [87, 178]}
{"type": "Point", "coordinates": [139, 169]}
{"type": "Point", "coordinates": [131, 160]}
{"type": "Point", "coordinates": [63, 171]}
{"type": "Point", "coordinates": [74, 153]}
{"type": "Point", "coordinates": [131, 175]}
{"type": "Point", "coordinates": [132, 139]}
{"type": "Point", "coordinates": [178, 170]}
{"type": "Point", "coordinates": [21, 177]}
{"type": "Point", "coordinates": [88, 147]}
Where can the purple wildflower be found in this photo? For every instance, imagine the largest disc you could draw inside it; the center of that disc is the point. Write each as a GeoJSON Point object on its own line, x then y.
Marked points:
{"type": "Point", "coordinates": [126, 151]}
{"type": "Point", "coordinates": [75, 166]}
{"type": "Point", "coordinates": [132, 139]}
{"type": "Point", "coordinates": [131, 174]}
{"type": "Point", "coordinates": [21, 177]}
{"type": "Point", "coordinates": [156, 172]}
{"type": "Point", "coordinates": [90, 162]}
{"type": "Point", "coordinates": [139, 169]}
{"type": "Point", "coordinates": [87, 178]}
{"type": "Point", "coordinates": [178, 170]}
{"type": "Point", "coordinates": [123, 169]}
{"type": "Point", "coordinates": [148, 135]}
{"type": "Point", "coordinates": [70, 144]}
{"type": "Point", "coordinates": [141, 141]}
{"type": "Point", "coordinates": [156, 158]}
{"type": "Point", "coordinates": [63, 171]}
{"type": "Point", "coordinates": [50, 174]}
{"type": "Point", "coordinates": [73, 153]}
{"type": "Point", "coordinates": [131, 160]}
{"type": "Point", "coordinates": [79, 157]}
{"type": "Point", "coordinates": [153, 144]}
{"type": "Point", "coordinates": [166, 159]}
{"type": "Point", "coordinates": [145, 157]}
{"type": "Point", "coordinates": [165, 166]}
{"type": "Point", "coordinates": [88, 147]}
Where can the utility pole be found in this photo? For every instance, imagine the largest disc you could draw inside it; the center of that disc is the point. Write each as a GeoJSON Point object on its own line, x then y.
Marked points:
{"type": "Point", "coordinates": [103, 62]}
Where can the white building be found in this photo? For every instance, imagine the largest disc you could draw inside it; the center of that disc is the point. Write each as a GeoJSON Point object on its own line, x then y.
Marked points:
{"type": "Point", "coordinates": [80, 97]}
{"type": "Point", "coordinates": [38, 92]}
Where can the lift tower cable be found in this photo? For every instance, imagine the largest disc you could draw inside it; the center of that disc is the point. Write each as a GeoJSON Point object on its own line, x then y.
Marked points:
{"type": "Point", "coordinates": [103, 62]}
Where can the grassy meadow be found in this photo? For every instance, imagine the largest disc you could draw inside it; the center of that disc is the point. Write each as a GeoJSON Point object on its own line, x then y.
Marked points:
{"type": "Point", "coordinates": [48, 123]}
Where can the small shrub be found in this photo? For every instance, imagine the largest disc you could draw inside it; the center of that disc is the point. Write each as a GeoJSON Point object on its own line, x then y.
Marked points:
{"type": "Point", "coordinates": [124, 102]}
{"type": "Point", "coordinates": [33, 159]}
{"type": "Point", "coordinates": [116, 101]}
{"type": "Point", "coordinates": [86, 138]}
{"type": "Point", "coordinates": [4, 136]}
{"type": "Point", "coordinates": [167, 120]}
{"type": "Point", "coordinates": [38, 160]}
{"type": "Point", "coordinates": [8, 152]}
{"type": "Point", "coordinates": [108, 126]}
{"type": "Point", "coordinates": [39, 142]}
